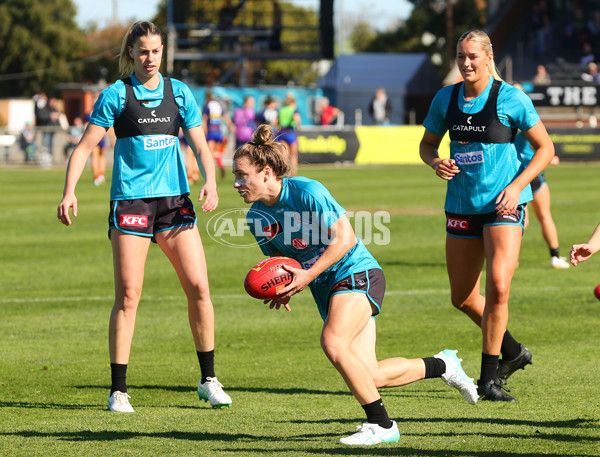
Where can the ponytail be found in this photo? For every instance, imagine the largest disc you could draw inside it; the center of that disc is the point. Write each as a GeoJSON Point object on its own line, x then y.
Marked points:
{"type": "Point", "coordinates": [135, 32]}
{"type": "Point", "coordinates": [264, 151]}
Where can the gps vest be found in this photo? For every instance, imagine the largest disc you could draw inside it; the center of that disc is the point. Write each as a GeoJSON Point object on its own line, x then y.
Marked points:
{"type": "Point", "coordinates": [481, 127]}
{"type": "Point", "coordinates": [136, 119]}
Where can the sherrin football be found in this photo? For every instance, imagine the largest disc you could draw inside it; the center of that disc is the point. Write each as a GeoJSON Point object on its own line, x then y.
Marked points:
{"type": "Point", "coordinates": [267, 278]}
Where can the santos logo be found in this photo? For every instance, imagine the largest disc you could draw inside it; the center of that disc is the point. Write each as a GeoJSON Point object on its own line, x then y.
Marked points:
{"type": "Point", "coordinates": [159, 141]}
{"type": "Point", "coordinates": [468, 158]}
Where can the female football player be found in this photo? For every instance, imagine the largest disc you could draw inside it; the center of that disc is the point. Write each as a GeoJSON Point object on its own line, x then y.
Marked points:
{"type": "Point", "coordinates": [346, 281]}
{"type": "Point", "coordinates": [150, 199]}
{"type": "Point", "coordinates": [485, 197]}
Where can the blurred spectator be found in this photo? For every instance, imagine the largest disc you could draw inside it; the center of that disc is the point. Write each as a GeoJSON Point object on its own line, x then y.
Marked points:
{"type": "Point", "coordinates": [380, 107]}
{"type": "Point", "coordinates": [98, 157]}
{"type": "Point", "coordinates": [74, 134]}
{"type": "Point", "coordinates": [592, 74]}
{"type": "Point", "coordinates": [214, 117]}
{"type": "Point", "coordinates": [52, 127]}
{"type": "Point", "coordinates": [27, 142]}
{"type": "Point", "coordinates": [244, 119]}
{"type": "Point", "coordinates": [587, 54]}
{"type": "Point", "coordinates": [289, 123]}
{"type": "Point", "coordinates": [42, 111]}
{"type": "Point", "coordinates": [270, 114]}
{"type": "Point", "coordinates": [327, 113]}
{"type": "Point", "coordinates": [541, 77]}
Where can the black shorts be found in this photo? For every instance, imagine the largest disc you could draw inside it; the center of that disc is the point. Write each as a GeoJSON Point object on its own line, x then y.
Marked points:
{"type": "Point", "coordinates": [537, 183]}
{"type": "Point", "coordinates": [370, 282]}
{"type": "Point", "coordinates": [148, 216]}
{"type": "Point", "coordinates": [471, 225]}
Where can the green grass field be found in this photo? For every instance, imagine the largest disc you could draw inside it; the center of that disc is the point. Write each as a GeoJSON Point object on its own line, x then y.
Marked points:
{"type": "Point", "coordinates": [57, 286]}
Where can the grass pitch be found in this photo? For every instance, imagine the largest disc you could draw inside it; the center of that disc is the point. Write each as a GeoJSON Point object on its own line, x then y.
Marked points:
{"type": "Point", "coordinates": [57, 286]}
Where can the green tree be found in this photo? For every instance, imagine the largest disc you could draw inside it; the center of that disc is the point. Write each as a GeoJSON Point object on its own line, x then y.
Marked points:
{"type": "Point", "coordinates": [428, 18]}
{"type": "Point", "coordinates": [101, 59]}
{"type": "Point", "coordinates": [361, 34]}
{"type": "Point", "coordinates": [40, 40]}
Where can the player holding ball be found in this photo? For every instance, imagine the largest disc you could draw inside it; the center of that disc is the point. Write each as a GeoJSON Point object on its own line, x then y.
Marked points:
{"type": "Point", "coordinates": [346, 281]}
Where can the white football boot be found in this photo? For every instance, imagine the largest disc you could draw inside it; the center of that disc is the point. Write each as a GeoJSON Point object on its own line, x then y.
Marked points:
{"type": "Point", "coordinates": [118, 402]}
{"type": "Point", "coordinates": [456, 377]}
{"type": "Point", "coordinates": [212, 391]}
{"type": "Point", "coordinates": [369, 434]}
{"type": "Point", "coordinates": [560, 263]}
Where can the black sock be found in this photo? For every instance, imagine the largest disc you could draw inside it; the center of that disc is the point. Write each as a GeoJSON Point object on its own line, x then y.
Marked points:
{"type": "Point", "coordinates": [489, 366]}
{"type": "Point", "coordinates": [118, 373]}
{"type": "Point", "coordinates": [554, 253]}
{"type": "Point", "coordinates": [434, 367]}
{"type": "Point", "coordinates": [377, 414]}
{"type": "Point", "coordinates": [510, 349]}
{"type": "Point", "coordinates": [207, 364]}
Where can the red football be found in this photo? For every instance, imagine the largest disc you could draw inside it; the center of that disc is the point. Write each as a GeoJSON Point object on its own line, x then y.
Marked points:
{"type": "Point", "coordinates": [267, 278]}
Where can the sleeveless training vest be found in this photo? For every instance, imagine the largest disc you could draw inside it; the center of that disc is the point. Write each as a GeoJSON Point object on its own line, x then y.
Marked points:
{"type": "Point", "coordinates": [481, 127]}
{"type": "Point", "coordinates": [136, 119]}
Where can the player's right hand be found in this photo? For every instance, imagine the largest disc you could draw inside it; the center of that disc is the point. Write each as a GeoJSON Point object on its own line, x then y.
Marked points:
{"type": "Point", "coordinates": [62, 211]}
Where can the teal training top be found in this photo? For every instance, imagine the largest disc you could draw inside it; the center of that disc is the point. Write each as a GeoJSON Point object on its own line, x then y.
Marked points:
{"type": "Point", "coordinates": [485, 168]}
{"type": "Point", "coordinates": [297, 227]}
{"type": "Point", "coordinates": [147, 166]}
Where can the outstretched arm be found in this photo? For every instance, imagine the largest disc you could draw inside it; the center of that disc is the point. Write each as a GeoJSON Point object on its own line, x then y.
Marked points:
{"type": "Point", "coordinates": [582, 252]}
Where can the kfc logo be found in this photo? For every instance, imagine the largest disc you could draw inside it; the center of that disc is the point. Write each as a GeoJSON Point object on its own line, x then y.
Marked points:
{"type": "Point", "coordinates": [458, 224]}
{"type": "Point", "coordinates": [185, 211]}
{"type": "Point", "coordinates": [127, 220]}
{"type": "Point", "coordinates": [299, 243]}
